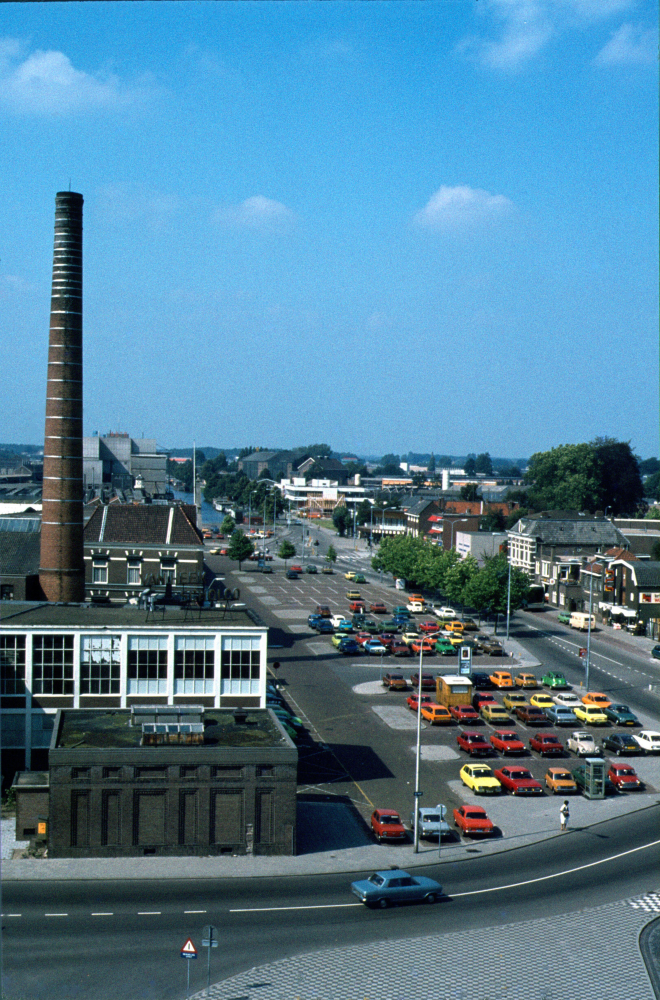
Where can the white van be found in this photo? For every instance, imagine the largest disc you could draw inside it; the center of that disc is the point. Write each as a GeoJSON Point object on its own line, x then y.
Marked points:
{"type": "Point", "coordinates": [580, 620]}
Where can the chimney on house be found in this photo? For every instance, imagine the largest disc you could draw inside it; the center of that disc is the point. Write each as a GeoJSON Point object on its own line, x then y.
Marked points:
{"type": "Point", "coordinates": [62, 572]}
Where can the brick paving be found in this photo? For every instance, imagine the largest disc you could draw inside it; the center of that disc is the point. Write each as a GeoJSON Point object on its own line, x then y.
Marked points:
{"type": "Point", "coordinates": [591, 953]}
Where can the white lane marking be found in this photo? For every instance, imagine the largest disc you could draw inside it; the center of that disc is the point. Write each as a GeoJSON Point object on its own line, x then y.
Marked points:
{"type": "Point", "coordinates": [568, 871]}
{"type": "Point", "coordinates": [56, 914]}
{"type": "Point", "coordinates": [148, 913]}
{"type": "Point", "coordinates": [194, 911]}
{"type": "Point", "coordinates": [3, 915]}
{"type": "Point", "coordinates": [103, 914]}
{"type": "Point", "coordinates": [319, 906]}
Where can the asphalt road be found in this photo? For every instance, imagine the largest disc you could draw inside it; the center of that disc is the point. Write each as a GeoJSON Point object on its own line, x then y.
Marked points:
{"type": "Point", "coordinates": [122, 940]}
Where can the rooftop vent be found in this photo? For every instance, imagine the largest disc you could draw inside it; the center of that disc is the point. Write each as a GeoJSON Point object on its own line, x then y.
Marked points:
{"type": "Point", "coordinates": [158, 734]}
{"type": "Point", "coordinates": [166, 714]}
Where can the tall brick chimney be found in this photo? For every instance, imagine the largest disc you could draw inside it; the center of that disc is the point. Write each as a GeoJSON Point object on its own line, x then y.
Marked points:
{"type": "Point", "coordinates": [62, 572]}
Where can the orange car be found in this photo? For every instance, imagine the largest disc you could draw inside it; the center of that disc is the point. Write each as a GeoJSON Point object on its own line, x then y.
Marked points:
{"type": "Point", "coordinates": [437, 715]}
{"type": "Point", "coordinates": [427, 648]}
{"type": "Point", "coordinates": [416, 599]}
{"type": "Point", "coordinates": [560, 779]}
{"type": "Point", "coordinates": [502, 679]}
{"type": "Point", "coordinates": [596, 698]}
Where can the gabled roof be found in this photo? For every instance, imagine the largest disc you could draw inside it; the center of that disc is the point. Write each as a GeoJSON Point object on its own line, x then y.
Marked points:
{"type": "Point", "coordinates": [19, 552]}
{"type": "Point", "coordinates": [420, 506]}
{"type": "Point", "coordinates": [131, 524]}
{"type": "Point", "coordinates": [646, 573]}
{"type": "Point", "coordinates": [569, 528]}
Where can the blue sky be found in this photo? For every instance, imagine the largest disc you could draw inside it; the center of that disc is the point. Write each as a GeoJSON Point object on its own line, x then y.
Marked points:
{"type": "Point", "coordinates": [388, 226]}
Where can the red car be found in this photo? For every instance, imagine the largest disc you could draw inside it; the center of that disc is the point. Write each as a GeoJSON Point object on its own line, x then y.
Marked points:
{"type": "Point", "coordinates": [357, 607]}
{"type": "Point", "coordinates": [547, 744]}
{"type": "Point", "coordinates": [378, 608]}
{"type": "Point", "coordinates": [362, 637]}
{"type": "Point", "coordinates": [296, 569]}
{"type": "Point", "coordinates": [480, 698]}
{"type": "Point", "coordinates": [428, 626]}
{"type": "Point", "coordinates": [399, 648]}
{"type": "Point", "coordinates": [428, 681]}
{"type": "Point", "coordinates": [518, 781]}
{"type": "Point", "coordinates": [472, 821]}
{"type": "Point", "coordinates": [473, 743]}
{"type": "Point", "coordinates": [427, 648]}
{"type": "Point", "coordinates": [464, 713]}
{"type": "Point", "coordinates": [412, 701]}
{"type": "Point", "coordinates": [624, 777]}
{"type": "Point", "coordinates": [387, 638]}
{"type": "Point", "coordinates": [386, 825]}
{"type": "Point", "coordinates": [507, 741]}
{"type": "Point", "coordinates": [322, 609]}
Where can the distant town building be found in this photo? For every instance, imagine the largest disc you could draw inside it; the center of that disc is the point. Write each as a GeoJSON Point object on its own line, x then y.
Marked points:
{"type": "Point", "coordinates": [119, 460]}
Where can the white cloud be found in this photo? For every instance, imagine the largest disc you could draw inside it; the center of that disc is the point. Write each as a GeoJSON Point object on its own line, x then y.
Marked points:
{"type": "Point", "coordinates": [527, 26]}
{"type": "Point", "coordinates": [257, 212]}
{"type": "Point", "coordinates": [460, 207]}
{"type": "Point", "coordinates": [47, 83]}
{"type": "Point", "coordinates": [631, 44]}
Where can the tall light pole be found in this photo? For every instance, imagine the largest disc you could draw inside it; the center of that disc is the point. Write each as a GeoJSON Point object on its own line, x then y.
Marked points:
{"type": "Point", "coordinates": [460, 520]}
{"type": "Point", "coordinates": [508, 599]}
{"type": "Point", "coordinates": [591, 592]}
{"type": "Point", "coordinates": [418, 752]}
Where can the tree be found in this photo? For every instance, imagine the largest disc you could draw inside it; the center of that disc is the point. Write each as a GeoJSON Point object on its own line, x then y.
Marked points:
{"type": "Point", "coordinates": [390, 459]}
{"type": "Point", "coordinates": [469, 492]}
{"type": "Point", "coordinates": [363, 512]}
{"type": "Point", "coordinates": [652, 486]}
{"type": "Point", "coordinates": [240, 547]}
{"type": "Point", "coordinates": [228, 525]}
{"type": "Point", "coordinates": [470, 465]}
{"type": "Point", "coordinates": [655, 552]}
{"type": "Point", "coordinates": [286, 551]}
{"type": "Point", "coordinates": [319, 450]}
{"type": "Point", "coordinates": [601, 475]}
{"type": "Point", "coordinates": [331, 554]}
{"type": "Point", "coordinates": [457, 578]}
{"type": "Point", "coordinates": [493, 520]}
{"type": "Point", "coordinates": [431, 466]}
{"type": "Point", "coordinates": [514, 517]}
{"type": "Point", "coordinates": [654, 512]}
{"type": "Point", "coordinates": [341, 519]}
{"type": "Point", "coordinates": [487, 590]}
{"type": "Point", "coordinates": [483, 464]}
{"type": "Point", "coordinates": [649, 466]}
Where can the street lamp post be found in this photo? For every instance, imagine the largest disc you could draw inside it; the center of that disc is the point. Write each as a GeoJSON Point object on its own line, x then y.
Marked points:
{"type": "Point", "coordinates": [418, 752]}
{"type": "Point", "coordinates": [588, 664]}
{"type": "Point", "coordinates": [460, 520]}
{"type": "Point", "coordinates": [508, 600]}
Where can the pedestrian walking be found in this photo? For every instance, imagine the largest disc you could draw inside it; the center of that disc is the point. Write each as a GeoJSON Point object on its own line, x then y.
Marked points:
{"type": "Point", "coordinates": [564, 813]}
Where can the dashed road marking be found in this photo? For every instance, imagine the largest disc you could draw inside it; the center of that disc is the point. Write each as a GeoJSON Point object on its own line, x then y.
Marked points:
{"type": "Point", "coordinates": [194, 911]}
{"type": "Point", "coordinates": [103, 914]}
{"type": "Point", "coordinates": [149, 913]}
{"type": "Point", "coordinates": [56, 914]}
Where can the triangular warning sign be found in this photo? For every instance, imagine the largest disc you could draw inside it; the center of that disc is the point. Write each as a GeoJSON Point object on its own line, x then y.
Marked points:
{"type": "Point", "coordinates": [189, 948]}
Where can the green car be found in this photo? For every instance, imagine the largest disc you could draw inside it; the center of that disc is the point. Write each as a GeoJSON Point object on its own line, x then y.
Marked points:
{"type": "Point", "coordinates": [311, 568]}
{"type": "Point", "coordinates": [401, 609]}
{"type": "Point", "coordinates": [622, 715]}
{"type": "Point", "coordinates": [445, 647]}
{"type": "Point", "coordinates": [564, 617]}
{"type": "Point", "coordinates": [359, 578]}
{"type": "Point", "coordinates": [391, 625]}
{"type": "Point", "coordinates": [553, 679]}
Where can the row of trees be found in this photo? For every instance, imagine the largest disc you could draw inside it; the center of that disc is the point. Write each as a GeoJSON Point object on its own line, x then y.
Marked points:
{"type": "Point", "coordinates": [241, 548]}
{"type": "Point", "coordinates": [461, 581]}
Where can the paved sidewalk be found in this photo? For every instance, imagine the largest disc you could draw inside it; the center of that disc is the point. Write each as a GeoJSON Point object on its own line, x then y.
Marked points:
{"type": "Point", "coordinates": [589, 953]}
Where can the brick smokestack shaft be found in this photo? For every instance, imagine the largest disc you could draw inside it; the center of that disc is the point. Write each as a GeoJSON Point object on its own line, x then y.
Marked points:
{"type": "Point", "coordinates": [62, 572]}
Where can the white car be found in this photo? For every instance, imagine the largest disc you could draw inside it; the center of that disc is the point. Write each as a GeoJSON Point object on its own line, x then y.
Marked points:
{"type": "Point", "coordinates": [432, 821]}
{"type": "Point", "coordinates": [444, 612]}
{"type": "Point", "coordinates": [648, 740]}
{"type": "Point", "coordinates": [567, 699]}
{"type": "Point", "coordinates": [337, 620]}
{"type": "Point", "coordinates": [583, 745]}
{"type": "Point", "coordinates": [416, 608]}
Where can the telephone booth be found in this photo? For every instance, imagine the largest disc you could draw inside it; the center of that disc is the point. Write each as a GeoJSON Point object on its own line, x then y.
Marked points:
{"type": "Point", "coordinates": [595, 775]}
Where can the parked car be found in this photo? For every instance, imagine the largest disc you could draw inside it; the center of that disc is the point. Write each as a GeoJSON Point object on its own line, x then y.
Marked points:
{"type": "Point", "coordinates": [559, 715]}
{"type": "Point", "coordinates": [323, 610]}
{"type": "Point", "coordinates": [622, 715]}
{"type": "Point", "coordinates": [343, 625]}
{"type": "Point", "coordinates": [655, 652]}
{"type": "Point", "coordinates": [554, 679]}
{"type": "Point", "coordinates": [399, 648]}
{"type": "Point", "coordinates": [412, 700]}
{"type": "Point", "coordinates": [483, 698]}
{"type": "Point", "coordinates": [624, 777]}
{"type": "Point", "coordinates": [525, 680]}
{"type": "Point", "coordinates": [444, 612]}
{"type": "Point", "coordinates": [493, 647]}
{"type": "Point", "coordinates": [350, 575]}
{"type": "Point", "coordinates": [386, 638]}
{"type": "Point", "coordinates": [648, 740]}
{"type": "Point", "coordinates": [359, 578]}
{"type": "Point", "coordinates": [596, 698]}
{"type": "Point", "coordinates": [464, 713]}
{"type": "Point", "coordinates": [428, 681]}
{"type": "Point", "coordinates": [324, 627]}
{"type": "Point", "coordinates": [480, 779]}
{"type": "Point", "coordinates": [530, 715]}
{"type": "Point", "coordinates": [348, 646]}
{"type": "Point", "coordinates": [416, 607]}
{"type": "Point", "coordinates": [437, 715]}
{"type": "Point", "coordinates": [392, 625]}
{"type": "Point", "coordinates": [469, 625]}
{"type": "Point", "coordinates": [375, 648]}
{"type": "Point", "coordinates": [427, 648]}
{"type": "Point", "coordinates": [512, 699]}
{"type": "Point", "coordinates": [473, 743]}
{"type": "Point", "coordinates": [337, 639]}
{"type": "Point", "coordinates": [453, 626]}
{"type": "Point", "coordinates": [311, 568]}
{"type": "Point", "coordinates": [401, 610]}
{"type": "Point", "coordinates": [357, 607]}
{"type": "Point", "coordinates": [388, 888]}
{"type": "Point", "coordinates": [410, 636]}
{"type": "Point", "coordinates": [427, 626]}
{"type": "Point", "coordinates": [353, 595]}
{"type": "Point", "coordinates": [583, 744]}
{"type": "Point", "coordinates": [328, 570]}
{"type": "Point", "coordinates": [472, 821]}
{"type": "Point", "coordinates": [297, 569]}
{"type": "Point", "coordinates": [547, 744]}
{"type": "Point", "coordinates": [566, 699]}
{"type": "Point", "coordinates": [444, 647]}
{"type": "Point", "coordinates": [378, 608]}
{"type": "Point", "coordinates": [291, 574]}
{"type": "Point", "coordinates": [431, 821]}
{"type": "Point", "coordinates": [564, 617]}
{"type": "Point", "coordinates": [313, 619]}
{"type": "Point", "coordinates": [386, 825]}
{"type": "Point", "coordinates": [507, 741]}
{"type": "Point", "coordinates": [502, 679]}
{"type": "Point", "coordinates": [518, 781]}
{"type": "Point", "coordinates": [362, 636]}
{"type": "Point", "coordinates": [591, 715]}
{"type": "Point", "coordinates": [560, 781]}
{"type": "Point", "coordinates": [620, 743]}
{"type": "Point", "coordinates": [493, 713]}
{"type": "Point", "coordinates": [541, 701]}
{"type": "Point", "coordinates": [481, 681]}
{"type": "Point", "coordinates": [395, 682]}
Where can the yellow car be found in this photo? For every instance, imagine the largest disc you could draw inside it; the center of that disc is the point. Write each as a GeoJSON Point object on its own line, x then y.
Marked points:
{"type": "Point", "coordinates": [350, 575]}
{"type": "Point", "coordinates": [541, 701]}
{"type": "Point", "coordinates": [493, 713]}
{"type": "Point", "coordinates": [453, 626]}
{"type": "Point", "coordinates": [480, 779]}
{"type": "Point", "coordinates": [410, 637]}
{"type": "Point", "coordinates": [455, 638]}
{"type": "Point", "coordinates": [524, 680]}
{"type": "Point", "coordinates": [501, 679]}
{"type": "Point", "coordinates": [514, 700]}
{"type": "Point", "coordinates": [353, 595]}
{"type": "Point", "coordinates": [591, 715]}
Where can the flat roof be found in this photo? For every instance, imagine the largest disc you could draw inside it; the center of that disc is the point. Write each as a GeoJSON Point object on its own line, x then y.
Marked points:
{"type": "Point", "coordinates": [87, 729]}
{"type": "Point", "coordinates": [35, 614]}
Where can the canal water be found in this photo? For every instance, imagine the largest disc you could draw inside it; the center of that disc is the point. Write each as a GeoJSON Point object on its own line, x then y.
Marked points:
{"type": "Point", "coordinates": [209, 514]}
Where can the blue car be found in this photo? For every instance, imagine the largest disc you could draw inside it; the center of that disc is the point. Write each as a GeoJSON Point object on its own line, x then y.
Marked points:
{"type": "Point", "coordinates": [349, 647]}
{"type": "Point", "coordinates": [313, 620]}
{"type": "Point", "coordinates": [324, 627]}
{"type": "Point", "coordinates": [395, 886]}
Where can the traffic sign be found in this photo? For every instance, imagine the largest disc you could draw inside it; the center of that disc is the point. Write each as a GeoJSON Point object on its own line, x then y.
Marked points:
{"type": "Point", "coordinates": [189, 950]}
{"type": "Point", "coordinates": [418, 795]}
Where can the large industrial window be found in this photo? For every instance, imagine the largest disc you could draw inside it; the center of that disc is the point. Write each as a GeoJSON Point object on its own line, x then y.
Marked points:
{"type": "Point", "coordinates": [241, 661]}
{"type": "Point", "coordinates": [194, 665]}
{"type": "Point", "coordinates": [52, 664]}
{"type": "Point", "coordinates": [12, 664]}
{"type": "Point", "coordinates": [147, 664]}
{"type": "Point", "coordinates": [100, 664]}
